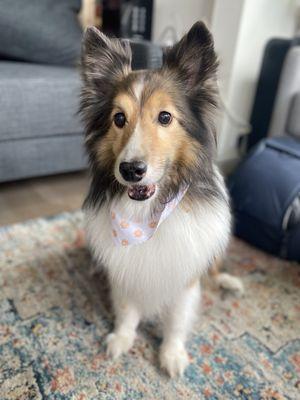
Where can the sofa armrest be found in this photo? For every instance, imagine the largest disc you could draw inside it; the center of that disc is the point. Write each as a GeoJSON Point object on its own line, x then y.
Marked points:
{"type": "Point", "coordinates": [145, 55]}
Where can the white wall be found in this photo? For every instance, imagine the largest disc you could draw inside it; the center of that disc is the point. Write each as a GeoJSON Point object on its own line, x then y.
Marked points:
{"type": "Point", "coordinates": [180, 15]}
{"type": "Point", "coordinates": [257, 22]}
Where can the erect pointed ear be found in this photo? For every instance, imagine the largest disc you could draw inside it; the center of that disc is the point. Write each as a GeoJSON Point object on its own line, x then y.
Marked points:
{"type": "Point", "coordinates": [104, 62]}
{"type": "Point", "coordinates": [193, 57]}
{"type": "Point", "coordinates": [104, 58]}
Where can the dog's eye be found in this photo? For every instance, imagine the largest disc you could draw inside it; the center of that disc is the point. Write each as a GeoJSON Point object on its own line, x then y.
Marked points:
{"type": "Point", "coordinates": [164, 118]}
{"type": "Point", "coordinates": [119, 119]}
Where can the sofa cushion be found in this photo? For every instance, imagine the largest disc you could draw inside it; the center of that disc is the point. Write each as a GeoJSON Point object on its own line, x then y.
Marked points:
{"type": "Point", "coordinates": [38, 100]}
{"type": "Point", "coordinates": [293, 120]}
{"type": "Point", "coordinates": [43, 31]}
{"type": "Point", "coordinates": [41, 156]}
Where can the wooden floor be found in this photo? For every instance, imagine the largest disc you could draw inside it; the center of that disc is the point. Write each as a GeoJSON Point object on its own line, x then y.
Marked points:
{"type": "Point", "coordinates": [40, 197]}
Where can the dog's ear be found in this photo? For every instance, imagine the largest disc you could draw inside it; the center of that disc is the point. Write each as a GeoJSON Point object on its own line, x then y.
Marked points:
{"type": "Point", "coordinates": [193, 57]}
{"type": "Point", "coordinates": [104, 58]}
{"type": "Point", "coordinates": [104, 62]}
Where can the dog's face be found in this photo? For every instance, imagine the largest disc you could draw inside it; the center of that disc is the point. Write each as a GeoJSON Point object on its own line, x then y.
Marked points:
{"type": "Point", "coordinates": [149, 132]}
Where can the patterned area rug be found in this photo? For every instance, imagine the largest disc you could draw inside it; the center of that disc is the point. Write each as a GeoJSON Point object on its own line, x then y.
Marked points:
{"type": "Point", "coordinates": [53, 322]}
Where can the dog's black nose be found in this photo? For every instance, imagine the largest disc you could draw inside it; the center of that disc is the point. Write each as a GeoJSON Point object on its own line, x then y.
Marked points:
{"type": "Point", "coordinates": [133, 171]}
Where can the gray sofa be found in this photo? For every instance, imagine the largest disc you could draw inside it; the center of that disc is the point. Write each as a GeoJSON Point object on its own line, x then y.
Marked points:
{"type": "Point", "coordinates": [40, 131]}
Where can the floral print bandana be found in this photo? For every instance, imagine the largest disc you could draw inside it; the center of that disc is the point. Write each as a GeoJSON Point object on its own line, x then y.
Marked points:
{"type": "Point", "coordinates": [126, 232]}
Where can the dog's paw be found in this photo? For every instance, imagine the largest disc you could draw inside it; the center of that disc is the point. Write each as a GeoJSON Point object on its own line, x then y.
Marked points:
{"type": "Point", "coordinates": [230, 282]}
{"type": "Point", "coordinates": [174, 359]}
{"type": "Point", "coordinates": [118, 344]}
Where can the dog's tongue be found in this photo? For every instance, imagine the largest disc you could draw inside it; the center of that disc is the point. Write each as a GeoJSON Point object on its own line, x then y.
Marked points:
{"type": "Point", "coordinates": [141, 192]}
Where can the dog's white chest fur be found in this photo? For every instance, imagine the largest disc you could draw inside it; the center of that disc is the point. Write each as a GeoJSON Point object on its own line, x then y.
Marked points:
{"type": "Point", "coordinates": [153, 273]}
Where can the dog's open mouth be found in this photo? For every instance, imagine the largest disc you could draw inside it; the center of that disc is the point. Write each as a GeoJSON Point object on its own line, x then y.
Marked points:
{"type": "Point", "coordinates": [141, 192]}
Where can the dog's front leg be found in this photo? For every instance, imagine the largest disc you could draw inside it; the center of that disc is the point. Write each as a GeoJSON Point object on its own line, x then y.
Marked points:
{"type": "Point", "coordinates": [126, 321]}
{"type": "Point", "coordinates": [177, 324]}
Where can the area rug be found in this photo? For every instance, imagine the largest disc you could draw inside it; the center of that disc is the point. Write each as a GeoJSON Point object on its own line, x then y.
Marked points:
{"type": "Point", "coordinates": [54, 316]}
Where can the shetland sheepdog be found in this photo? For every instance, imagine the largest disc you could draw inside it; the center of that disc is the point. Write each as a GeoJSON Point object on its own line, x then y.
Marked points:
{"type": "Point", "coordinates": [157, 210]}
